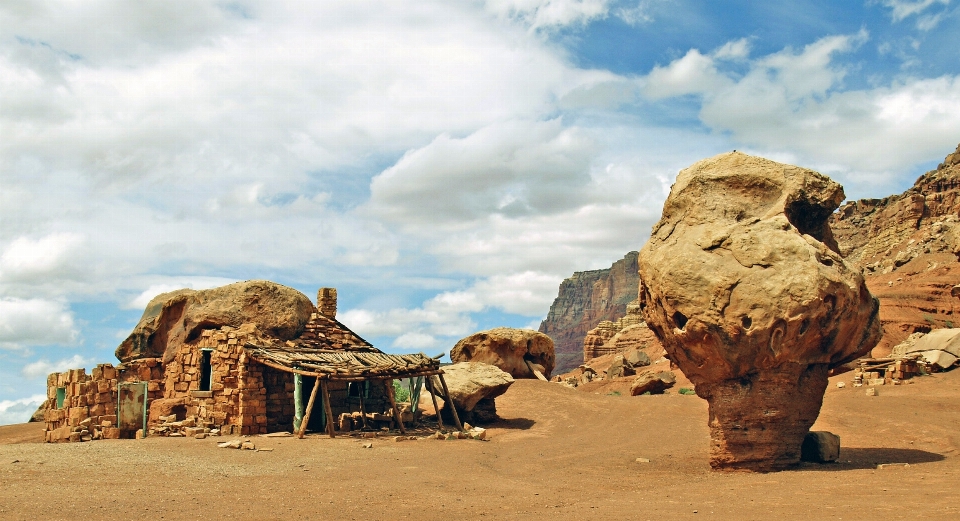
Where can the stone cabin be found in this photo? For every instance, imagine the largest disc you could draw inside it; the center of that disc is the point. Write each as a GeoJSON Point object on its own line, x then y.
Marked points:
{"type": "Point", "coordinates": [237, 380]}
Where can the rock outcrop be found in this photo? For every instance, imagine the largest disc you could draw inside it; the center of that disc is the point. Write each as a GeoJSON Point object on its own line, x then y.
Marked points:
{"type": "Point", "coordinates": [473, 388]}
{"type": "Point", "coordinates": [174, 318]}
{"type": "Point", "coordinates": [653, 383]}
{"type": "Point", "coordinates": [629, 333]}
{"type": "Point", "coordinates": [516, 351]}
{"type": "Point", "coordinates": [744, 285]}
{"type": "Point", "coordinates": [584, 300]}
{"type": "Point", "coordinates": [907, 245]}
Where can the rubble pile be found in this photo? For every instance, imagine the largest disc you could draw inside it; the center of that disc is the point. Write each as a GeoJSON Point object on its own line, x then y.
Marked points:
{"type": "Point", "coordinates": [171, 427]}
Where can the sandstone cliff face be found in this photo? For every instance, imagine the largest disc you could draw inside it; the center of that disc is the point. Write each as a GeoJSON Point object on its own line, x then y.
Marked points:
{"type": "Point", "coordinates": [584, 300]}
{"type": "Point", "coordinates": [907, 245]}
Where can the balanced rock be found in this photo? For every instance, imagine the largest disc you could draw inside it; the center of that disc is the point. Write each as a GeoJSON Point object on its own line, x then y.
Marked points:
{"type": "Point", "coordinates": [173, 318]}
{"type": "Point", "coordinates": [516, 351]}
{"type": "Point", "coordinates": [474, 385]}
{"type": "Point", "coordinates": [742, 282]}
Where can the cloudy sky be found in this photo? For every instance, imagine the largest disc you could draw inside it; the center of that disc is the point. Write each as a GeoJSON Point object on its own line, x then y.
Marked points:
{"type": "Point", "coordinates": [444, 164]}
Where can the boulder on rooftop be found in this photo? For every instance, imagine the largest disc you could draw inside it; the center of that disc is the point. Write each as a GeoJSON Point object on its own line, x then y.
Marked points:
{"type": "Point", "coordinates": [174, 318]}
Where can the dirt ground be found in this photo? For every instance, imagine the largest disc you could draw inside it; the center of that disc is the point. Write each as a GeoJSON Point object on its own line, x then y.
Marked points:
{"type": "Point", "coordinates": [560, 454]}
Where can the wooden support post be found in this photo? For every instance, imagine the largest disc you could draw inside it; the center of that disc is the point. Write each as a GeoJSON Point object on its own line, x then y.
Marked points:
{"type": "Point", "coordinates": [297, 401]}
{"type": "Point", "coordinates": [326, 407]}
{"type": "Point", "coordinates": [536, 373]}
{"type": "Point", "coordinates": [393, 405]}
{"type": "Point", "coordinates": [306, 416]}
{"type": "Point", "coordinates": [363, 411]}
{"type": "Point", "coordinates": [433, 395]}
{"type": "Point", "coordinates": [453, 408]}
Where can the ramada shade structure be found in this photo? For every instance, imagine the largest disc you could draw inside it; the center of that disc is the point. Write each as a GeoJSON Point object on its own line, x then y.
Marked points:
{"type": "Point", "coordinates": [329, 351]}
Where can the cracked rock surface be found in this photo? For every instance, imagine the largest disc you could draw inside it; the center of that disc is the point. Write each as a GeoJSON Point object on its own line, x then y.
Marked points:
{"type": "Point", "coordinates": [743, 283]}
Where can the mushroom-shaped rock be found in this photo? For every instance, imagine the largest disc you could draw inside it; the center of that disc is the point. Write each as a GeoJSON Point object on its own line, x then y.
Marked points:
{"type": "Point", "coordinates": [742, 282]}
{"type": "Point", "coordinates": [515, 351]}
{"type": "Point", "coordinates": [173, 318]}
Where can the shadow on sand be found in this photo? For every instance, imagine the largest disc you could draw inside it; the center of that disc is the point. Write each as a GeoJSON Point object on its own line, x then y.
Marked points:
{"type": "Point", "coordinates": [513, 423]}
{"type": "Point", "coordinates": [852, 458]}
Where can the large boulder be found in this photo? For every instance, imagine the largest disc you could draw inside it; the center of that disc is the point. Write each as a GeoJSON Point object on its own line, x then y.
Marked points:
{"type": "Point", "coordinates": [474, 385]}
{"type": "Point", "coordinates": [940, 347]}
{"type": "Point", "coordinates": [509, 349]}
{"type": "Point", "coordinates": [173, 318]}
{"type": "Point", "coordinates": [742, 282]}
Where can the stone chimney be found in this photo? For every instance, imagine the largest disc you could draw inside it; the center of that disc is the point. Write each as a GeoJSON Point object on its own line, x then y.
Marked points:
{"type": "Point", "coordinates": [327, 302]}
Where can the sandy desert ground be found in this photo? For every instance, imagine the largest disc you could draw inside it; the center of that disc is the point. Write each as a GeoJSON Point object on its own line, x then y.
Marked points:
{"type": "Point", "coordinates": [559, 454]}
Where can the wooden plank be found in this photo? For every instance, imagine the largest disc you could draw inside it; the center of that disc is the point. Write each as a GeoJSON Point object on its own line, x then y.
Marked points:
{"type": "Point", "coordinates": [327, 408]}
{"type": "Point", "coordinates": [536, 373]}
{"type": "Point", "coordinates": [297, 401]}
{"type": "Point", "coordinates": [393, 405]}
{"type": "Point", "coordinates": [453, 408]}
{"type": "Point", "coordinates": [306, 416]}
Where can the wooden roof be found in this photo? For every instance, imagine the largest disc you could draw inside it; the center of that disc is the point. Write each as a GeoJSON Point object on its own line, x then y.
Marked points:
{"type": "Point", "coordinates": [341, 364]}
{"type": "Point", "coordinates": [331, 350]}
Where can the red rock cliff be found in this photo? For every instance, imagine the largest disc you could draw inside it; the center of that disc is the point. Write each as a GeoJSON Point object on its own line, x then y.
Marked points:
{"type": "Point", "coordinates": [907, 246]}
{"type": "Point", "coordinates": [584, 300]}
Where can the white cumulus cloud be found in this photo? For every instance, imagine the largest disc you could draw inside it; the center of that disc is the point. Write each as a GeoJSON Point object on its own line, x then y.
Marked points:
{"type": "Point", "coordinates": [30, 322]}
{"type": "Point", "coordinates": [20, 410]}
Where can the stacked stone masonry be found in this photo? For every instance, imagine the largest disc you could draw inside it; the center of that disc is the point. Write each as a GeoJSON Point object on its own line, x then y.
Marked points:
{"type": "Point", "coordinates": [211, 382]}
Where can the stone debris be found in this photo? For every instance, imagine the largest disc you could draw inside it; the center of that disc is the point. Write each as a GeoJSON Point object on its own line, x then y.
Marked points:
{"type": "Point", "coordinates": [367, 445]}
{"type": "Point", "coordinates": [643, 460]}
{"type": "Point", "coordinates": [474, 433]}
{"type": "Point", "coordinates": [743, 283]}
{"type": "Point", "coordinates": [872, 391]}
{"type": "Point", "coordinates": [232, 444]}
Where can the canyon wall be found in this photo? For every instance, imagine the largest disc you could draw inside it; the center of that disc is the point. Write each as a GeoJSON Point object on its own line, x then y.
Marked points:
{"type": "Point", "coordinates": [584, 300]}
{"type": "Point", "coordinates": [907, 245]}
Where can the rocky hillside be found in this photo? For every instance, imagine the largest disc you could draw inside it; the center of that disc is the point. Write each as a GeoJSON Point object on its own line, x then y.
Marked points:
{"type": "Point", "coordinates": [584, 300]}
{"type": "Point", "coordinates": [907, 245]}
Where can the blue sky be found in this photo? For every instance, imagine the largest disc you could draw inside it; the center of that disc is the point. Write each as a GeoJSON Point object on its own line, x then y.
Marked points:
{"type": "Point", "coordinates": [443, 164]}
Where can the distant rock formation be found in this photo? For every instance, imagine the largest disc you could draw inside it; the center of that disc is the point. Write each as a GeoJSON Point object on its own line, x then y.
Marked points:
{"type": "Point", "coordinates": [171, 319]}
{"type": "Point", "coordinates": [743, 284]}
{"type": "Point", "coordinates": [515, 351]}
{"type": "Point", "coordinates": [908, 246]}
{"type": "Point", "coordinates": [584, 300]}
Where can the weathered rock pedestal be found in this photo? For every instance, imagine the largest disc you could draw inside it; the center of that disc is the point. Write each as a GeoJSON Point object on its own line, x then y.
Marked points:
{"type": "Point", "coordinates": [744, 285]}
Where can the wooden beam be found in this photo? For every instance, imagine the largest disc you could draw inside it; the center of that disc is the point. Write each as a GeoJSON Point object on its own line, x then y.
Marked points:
{"type": "Point", "coordinates": [536, 373]}
{"type": "Point", "coordinates": [433, 395]}
{"type": "Point", "coordinates": [327, 408]}
{"type": "Point", "coordinates": [453, 408]}
{"type": "Point", "coordinates": [306, 417]}
{"type": "Point", "coordinates": [393, 405]}
{"type": "Point", "coordinates": [363, 411]}
{"type": "Point", "coordinates": [297, 401]}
